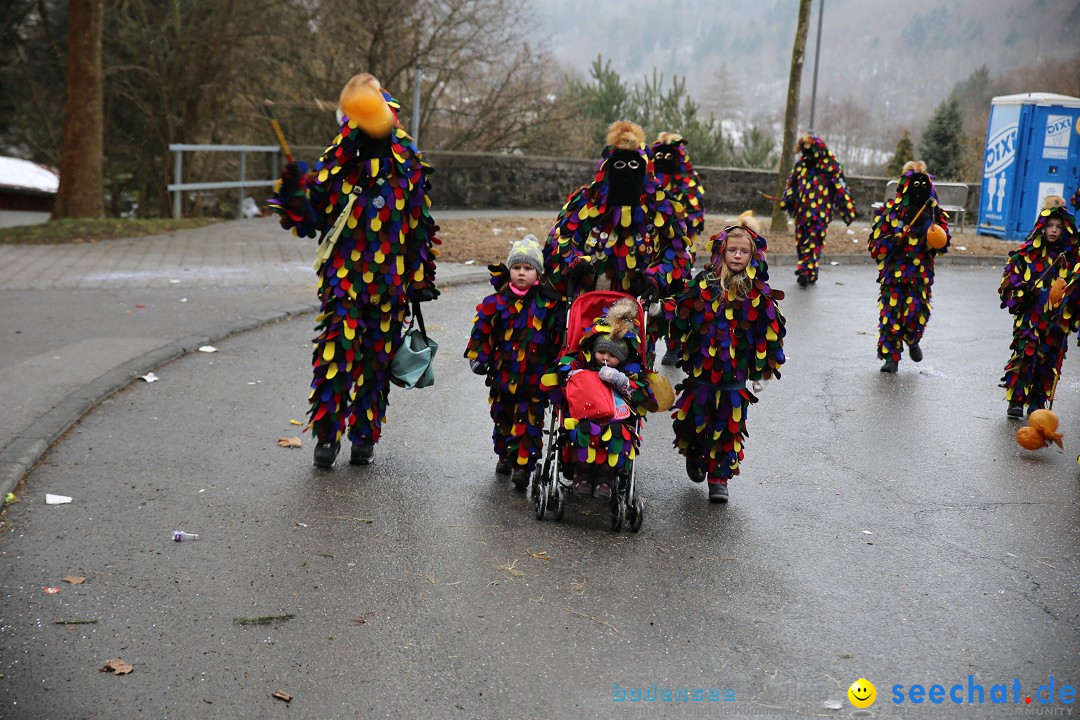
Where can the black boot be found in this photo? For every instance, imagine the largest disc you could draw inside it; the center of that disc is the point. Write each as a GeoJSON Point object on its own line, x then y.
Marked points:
{"type": "Point", "coordinates": [915, 352]}
{"type": "Point", "coordinates": [326, 453]}
{"type": "Point", "coordinates": [890, 366]}
{"type": "Point", "coordinates": [802, 280]}
{"type": "Point", "coordinates": [694, 471]}
{"type": "Point", "coordinates": [363, 453]}
{"type": "Point", "coordinates": [670, 357]}
{"type": "Point", "coordinates": [520, 478]}
{"type": "Point", "coordinates": [1016, 410]}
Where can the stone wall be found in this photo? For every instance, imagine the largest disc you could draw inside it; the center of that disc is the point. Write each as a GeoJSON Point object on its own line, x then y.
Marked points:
{"type": "Point", "coordinates": [489, 181]}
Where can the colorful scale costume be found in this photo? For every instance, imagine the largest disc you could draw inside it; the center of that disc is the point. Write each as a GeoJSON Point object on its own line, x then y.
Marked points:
{"type": "Point", "coordinates": [905, 263]}
{"type": "Point", "coordinates": [630, 233]}
{"type": "Point", "coordinates": [681, 183]}
{"type": "Point", "coordinates": [382, 259]}
{"type": "Point", "coordinates": [517, 339]}
{"type": "Point", "coordinates": [815, 189]}
{"type": "Point", "coordinates": [726, 342]}
{"type": "Point", "coordinates": [585, 442]}
{"type": "Point", "coordinates": [1039, 337]}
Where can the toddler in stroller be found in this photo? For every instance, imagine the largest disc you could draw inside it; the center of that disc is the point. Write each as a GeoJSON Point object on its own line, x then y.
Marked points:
{"type": "Point", "coordinates": [600, 395]}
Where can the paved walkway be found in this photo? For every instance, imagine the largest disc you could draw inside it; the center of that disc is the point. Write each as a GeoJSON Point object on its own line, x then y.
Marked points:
{"type": "Point", "coordinates": [81, 321]}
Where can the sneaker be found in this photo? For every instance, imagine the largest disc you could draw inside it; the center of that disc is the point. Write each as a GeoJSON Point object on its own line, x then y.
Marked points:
{"type": "Point", "coordinates": [362, 454]}
{"type": "Point", "coordinates": [503, 467]}
{"type": "Point", "coordinates": [602, 489]}
{"type": "Point", "coordinates": [520, 478]}
{"type": "Point", "coordinates": [801, 279]}
{"type": "Point", "coordinates": [670, 357]}
{"type": "Point", "coordinates": [718, 492]}
{"type": "Point", "coordinates": [326, 453]}
{"type": "Point", "coordinates": [694, 471]}
{"type": "Point", "coordinates": [582, 486]}
{"type": "Point", "coordinates": [890, 366]}
{"type": "Point", "coordinates": [915, 352]}
{"type": "Point", "coordinates": [1016, 410]}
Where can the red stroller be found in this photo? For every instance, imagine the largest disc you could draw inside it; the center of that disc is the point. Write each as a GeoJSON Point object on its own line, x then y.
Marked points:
{"type": "Point", "coordinates": [551, 479]}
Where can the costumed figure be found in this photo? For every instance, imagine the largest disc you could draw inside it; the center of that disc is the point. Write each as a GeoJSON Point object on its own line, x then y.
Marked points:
{"type": "Point", "coordinates": [367, 198]}
{"type": "Point", "coordinates": [732, 332]}
{"type": "Point", "coordinates": [622, 231]}
{"type": "Point", "coordinates": [515, 338]}
{"type": "Point", "coordinates": [598, 451]}
{"type": "Point", "coordinates": [1044, 260]}
{"type": "Point", "coordinates": [815, 189]}
{"type": "Point", "coordinates": [909, 232]}
{"type": "Point", "coordinates": [681, 183]}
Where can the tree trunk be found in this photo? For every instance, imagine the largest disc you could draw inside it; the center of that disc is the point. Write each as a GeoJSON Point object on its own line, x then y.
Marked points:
{"type": "Point", "coordinates": [791, 115]}
{"type": "Point", "coordinates": [82, 192]}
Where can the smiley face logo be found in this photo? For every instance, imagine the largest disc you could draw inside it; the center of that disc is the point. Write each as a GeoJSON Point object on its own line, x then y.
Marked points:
{"type": "Point", "coordinates": [862, 693]}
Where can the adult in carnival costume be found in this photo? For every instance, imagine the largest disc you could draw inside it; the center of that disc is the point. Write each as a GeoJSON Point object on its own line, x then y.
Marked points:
{"type": "Point", "coordinates": [904, 242]}
{"type": "Point", "coordinates": [681, 183]}
{"type": "Point", "coordinates": [367, 197]}
{"type": "Point", "coordinates": [815, 189]}
{"type": "Point", "coordinates": [622, 231]}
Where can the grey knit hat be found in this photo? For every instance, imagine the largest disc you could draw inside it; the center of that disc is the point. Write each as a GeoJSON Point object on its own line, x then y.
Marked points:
{"type": "Point", "coordinates": [612, 346]}
{"type": "Point", "coordinates": [527, 252]}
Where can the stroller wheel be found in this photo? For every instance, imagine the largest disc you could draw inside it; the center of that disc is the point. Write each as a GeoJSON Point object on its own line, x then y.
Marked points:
{"type": "Point", "coordinates": [540, 500]}
{"type": "Point", "coordinates": [559, 502]}
{"type": "Point", "coordinates": [618, 513]}
{"type": "Point", "coordinates": [635, 514]}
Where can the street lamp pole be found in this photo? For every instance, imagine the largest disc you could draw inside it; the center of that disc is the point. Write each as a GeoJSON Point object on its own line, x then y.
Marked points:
{"type": "Point", "coordinates": [817, 58]}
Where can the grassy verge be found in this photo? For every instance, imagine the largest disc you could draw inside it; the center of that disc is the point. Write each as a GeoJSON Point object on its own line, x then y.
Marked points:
{"type": "Point", "coordinates": [82, 230]}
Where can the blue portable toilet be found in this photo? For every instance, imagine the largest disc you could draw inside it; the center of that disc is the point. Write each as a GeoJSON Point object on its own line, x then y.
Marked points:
{"type": "Point", "coordinates": [1032, 150]}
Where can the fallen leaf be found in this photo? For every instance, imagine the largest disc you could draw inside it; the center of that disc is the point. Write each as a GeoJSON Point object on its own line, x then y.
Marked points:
{"type": "Point", "coordinates": [295, 422]}
{"type": "Point", "coordinates": [118, 666]}
{"type": "Point", "coordinates": [282, 695]}
{"type": "Point", "coordinates": [10, 499]}
{"type": "Point", "coordinates": [542, 555]}
{"type": "Point", "coordinates": [74, 579]}
{"type": "Point", "coordinates": [289, 442]}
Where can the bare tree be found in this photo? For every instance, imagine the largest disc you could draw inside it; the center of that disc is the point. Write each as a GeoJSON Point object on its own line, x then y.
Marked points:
{"type": "Point", "coordinates": [791, 115]}
{"type": "Point", "coordinates": [81, 192]}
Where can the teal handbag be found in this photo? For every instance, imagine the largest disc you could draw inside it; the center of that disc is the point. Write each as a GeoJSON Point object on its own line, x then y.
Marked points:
{"type": "Point", "coordinates": [413, 365]}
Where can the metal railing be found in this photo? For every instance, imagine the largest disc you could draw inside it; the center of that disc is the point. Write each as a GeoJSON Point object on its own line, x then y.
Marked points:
{"type": "Point", "coordinates": [178, 186]}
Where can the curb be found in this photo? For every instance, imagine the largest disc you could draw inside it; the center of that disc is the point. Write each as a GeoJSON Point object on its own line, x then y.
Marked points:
{"type": "Point", "coordinates": [865, 259]}
{"type": "Point", "coordinates": [28, 447]}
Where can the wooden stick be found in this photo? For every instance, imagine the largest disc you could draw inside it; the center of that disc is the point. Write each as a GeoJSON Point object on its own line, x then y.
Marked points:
{"type": "Point", "coordinates": [277, 130]}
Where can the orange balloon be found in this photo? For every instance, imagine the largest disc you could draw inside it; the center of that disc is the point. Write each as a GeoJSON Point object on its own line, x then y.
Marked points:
{"type": "Point", "coordinates": [366, 106]}
{"type": "Point", "coordinates": [1030, 438]}
{"type": "Point", "coordinates": [936, 237]}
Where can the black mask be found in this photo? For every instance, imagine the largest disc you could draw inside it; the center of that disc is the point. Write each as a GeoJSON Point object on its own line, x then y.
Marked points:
{"type": "Point", "coordinates": [666, 159]}
{"type": "Point", "coordinates": [919, 190]}
{"type": "Point", "coordinates": [370, 147]}
{"type": "Point", "coordinates": [626, 177]}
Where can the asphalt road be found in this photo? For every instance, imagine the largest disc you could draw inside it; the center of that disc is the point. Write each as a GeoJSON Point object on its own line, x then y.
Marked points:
{"type": "Point", "coordinates": [886, 527]}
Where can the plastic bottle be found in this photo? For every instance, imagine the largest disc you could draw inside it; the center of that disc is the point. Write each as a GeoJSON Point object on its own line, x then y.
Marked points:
{"type": "Point", "coordinates": [179, 535]}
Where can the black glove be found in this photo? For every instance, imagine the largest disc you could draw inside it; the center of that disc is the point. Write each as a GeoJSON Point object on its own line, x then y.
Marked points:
{"type": "Point", "coordinates": [478, 367]}
{"type": "Point", "coordinates": [425, 294]}
{"type": "Point", "coordinates": [581, 270]}
{"type": "Point", "coordinates": [645, 288]}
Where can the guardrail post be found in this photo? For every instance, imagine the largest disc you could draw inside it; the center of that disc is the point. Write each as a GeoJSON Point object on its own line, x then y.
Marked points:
{"type": "Point", "coordinates": [243, 173]}
{"type": "Point", "coordinates": [178, 178]}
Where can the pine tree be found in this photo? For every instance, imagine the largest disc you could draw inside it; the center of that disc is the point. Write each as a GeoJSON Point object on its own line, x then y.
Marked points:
{"type": "Point", "coordinates": [905, 150]}
{"type": "Point", "coordinates": [943, 141]}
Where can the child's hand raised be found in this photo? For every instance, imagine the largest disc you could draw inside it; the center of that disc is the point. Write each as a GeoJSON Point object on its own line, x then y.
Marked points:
{"type": "Point", "coordinates": [614, 377]}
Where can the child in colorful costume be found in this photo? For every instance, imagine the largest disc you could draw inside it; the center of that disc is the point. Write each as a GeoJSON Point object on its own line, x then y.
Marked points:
{"type": "Point", "coordinates": [815, 189]}
{"type": "Point", "coordinates": [515, 338]}
{"type": "Point", "coordinates": [622, 231]}
{"type": "Point", "coordinates": [597, 450]}
{"type": "Point", "coordinates": [905, 260]}
{"type": "Point", "coordinates": [1048, 255]}
{"type": "Point", "coordinates": [368, 197]}
{"type": "Point", "coordinates": [732, 332]}
{"type": "Point", "coordinates": [681, 183]}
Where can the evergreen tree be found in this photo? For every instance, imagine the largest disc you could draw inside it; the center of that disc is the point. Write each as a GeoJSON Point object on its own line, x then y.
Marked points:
{"type": "Point", "coordinates": [905, 150]}
{"type": "Point", "coordinates": [601, 100]}
{"type": "Point", "coordinates": [943, 141]}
